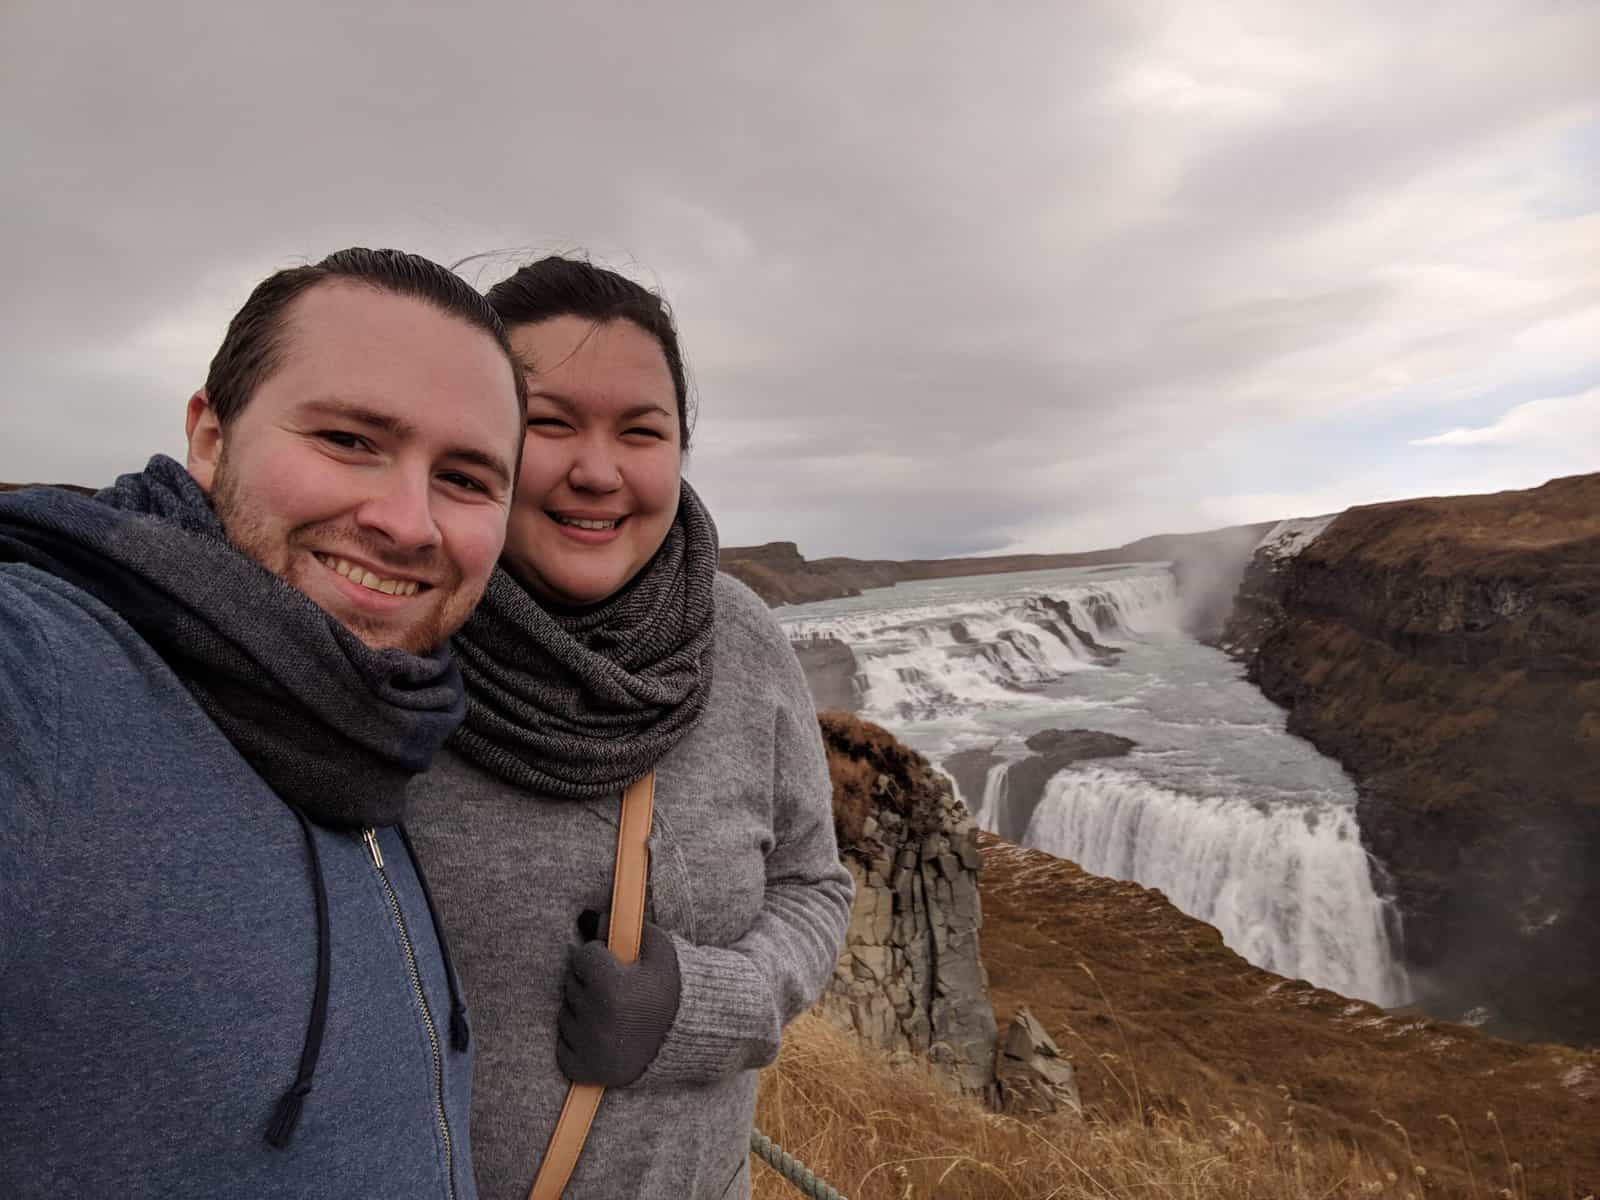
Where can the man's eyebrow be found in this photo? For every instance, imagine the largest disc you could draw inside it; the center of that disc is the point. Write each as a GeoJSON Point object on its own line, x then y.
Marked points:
{"type": "Point", "coordinates": [492, 463]}
{"type": "Point", "coordinates": [349, 410]}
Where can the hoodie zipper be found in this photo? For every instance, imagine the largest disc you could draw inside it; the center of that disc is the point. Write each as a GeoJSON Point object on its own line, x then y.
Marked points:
{"type": "Point", "coordinates": [370, 836]}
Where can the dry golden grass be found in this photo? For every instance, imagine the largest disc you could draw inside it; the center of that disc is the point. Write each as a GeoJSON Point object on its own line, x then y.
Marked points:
{"type": "Point", "coordinates": [880, 1132]}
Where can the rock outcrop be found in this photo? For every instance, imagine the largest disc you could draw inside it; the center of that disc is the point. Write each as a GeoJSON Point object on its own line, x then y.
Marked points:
{"type": "Point", "coordinates": [830, 669]}
{"type": "Point", "coordinates": [1031, 1074]}
{"type": "Point", "coordinates": [910, 979]}
{"type": "Point", "coordinates": [1447, 653]}
{"type": "Point", "coordinates": [1024, 782]}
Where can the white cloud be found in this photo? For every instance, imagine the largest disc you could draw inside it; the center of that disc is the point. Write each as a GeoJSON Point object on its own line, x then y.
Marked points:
{"type": "Point", "coordinates": [1573, 422]}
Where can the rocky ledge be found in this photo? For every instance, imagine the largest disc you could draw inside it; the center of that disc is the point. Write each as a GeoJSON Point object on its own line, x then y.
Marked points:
{"type": "Point", "coordinates": [1447, 653]}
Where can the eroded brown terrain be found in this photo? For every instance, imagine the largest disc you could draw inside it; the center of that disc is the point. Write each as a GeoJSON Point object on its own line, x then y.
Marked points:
{"type": "Point", "coordinates": [1159, 1016]}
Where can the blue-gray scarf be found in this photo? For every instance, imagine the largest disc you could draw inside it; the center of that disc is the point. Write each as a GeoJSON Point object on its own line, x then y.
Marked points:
{"type": "Point", "coordinates": [335, 727]}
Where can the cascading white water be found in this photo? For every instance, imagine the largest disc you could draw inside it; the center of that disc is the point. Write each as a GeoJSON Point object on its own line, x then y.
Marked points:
{"type": "Point", "coordinates": [1290, 889]}
{"type": "Point", "coordinates": [1239, 823]}
{"type": "Point", "coordinates": [994, 794]}
{"type": "Point", "coordinates": [919, 659]}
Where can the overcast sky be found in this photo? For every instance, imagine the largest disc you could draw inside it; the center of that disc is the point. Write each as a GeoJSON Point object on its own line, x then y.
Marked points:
{"type": "Point", "coordinates": [951, 278]}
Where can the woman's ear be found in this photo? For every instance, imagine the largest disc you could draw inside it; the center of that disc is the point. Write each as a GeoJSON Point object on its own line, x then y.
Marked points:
{"type": "Point", "coordinates": [204, 432]}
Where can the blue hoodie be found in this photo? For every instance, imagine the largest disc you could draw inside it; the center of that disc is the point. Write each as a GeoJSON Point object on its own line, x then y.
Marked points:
{"type": "Point", "coordinates": [159, 949]}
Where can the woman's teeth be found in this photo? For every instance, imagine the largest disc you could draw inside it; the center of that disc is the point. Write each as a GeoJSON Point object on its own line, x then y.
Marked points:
{"type": "Point", "coordinates": [580, 523]}
{"type": "Point", "coordinates": [377, 583]}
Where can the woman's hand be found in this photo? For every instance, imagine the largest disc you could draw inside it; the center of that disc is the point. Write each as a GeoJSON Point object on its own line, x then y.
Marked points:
{"type": "Point", "coordinates": [615, 1016]}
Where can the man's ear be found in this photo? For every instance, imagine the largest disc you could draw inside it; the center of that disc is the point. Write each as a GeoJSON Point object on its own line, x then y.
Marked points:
{"type": "Point", "coordinates": [204, 432]}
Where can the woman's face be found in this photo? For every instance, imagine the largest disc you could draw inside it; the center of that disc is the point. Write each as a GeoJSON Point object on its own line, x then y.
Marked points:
{"type": "Point", "coordinates": [598, 489]}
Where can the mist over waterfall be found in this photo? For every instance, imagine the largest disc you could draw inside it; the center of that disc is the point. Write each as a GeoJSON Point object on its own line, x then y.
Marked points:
{"type": "Point", "coordinates": [1289, 889]}
{"type": "Point", "coordinates": [1095, 730]}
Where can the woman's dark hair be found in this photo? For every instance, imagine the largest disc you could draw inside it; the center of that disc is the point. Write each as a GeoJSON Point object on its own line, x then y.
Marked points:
{"type": "Point", "coordinates": [253, 347]}
{"type": "Point", "coordinates": [571, 287]}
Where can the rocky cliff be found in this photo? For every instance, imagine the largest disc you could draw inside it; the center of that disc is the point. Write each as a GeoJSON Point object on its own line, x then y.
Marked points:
{"type": "Point", "coordinates": [1447, 652]}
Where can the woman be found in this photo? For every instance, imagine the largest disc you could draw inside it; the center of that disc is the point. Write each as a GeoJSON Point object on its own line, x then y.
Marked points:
{"type": "Point", "coordinates": [608, 645]}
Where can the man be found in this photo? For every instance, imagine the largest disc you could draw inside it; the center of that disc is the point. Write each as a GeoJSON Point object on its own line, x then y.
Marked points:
{"type": "Point", "coordinates": [219, 971]}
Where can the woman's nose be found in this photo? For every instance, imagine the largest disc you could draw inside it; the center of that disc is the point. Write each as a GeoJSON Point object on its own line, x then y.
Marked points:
{"type": "Point", "coordinates": [595, 469]}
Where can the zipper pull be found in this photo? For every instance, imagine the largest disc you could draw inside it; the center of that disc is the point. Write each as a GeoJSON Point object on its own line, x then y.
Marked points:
{"type": "Point", "coordinates": [370, 837]}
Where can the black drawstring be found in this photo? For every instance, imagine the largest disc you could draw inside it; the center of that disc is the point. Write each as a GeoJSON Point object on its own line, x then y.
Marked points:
{"type": "Point", "coordinates": [460, 1035]}
{"type": "Point", "coordinates": [287, 1113]}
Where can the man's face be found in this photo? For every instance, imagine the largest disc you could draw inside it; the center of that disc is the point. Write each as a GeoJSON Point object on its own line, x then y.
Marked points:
{"type": "Point", "coordinates": [372, 469]}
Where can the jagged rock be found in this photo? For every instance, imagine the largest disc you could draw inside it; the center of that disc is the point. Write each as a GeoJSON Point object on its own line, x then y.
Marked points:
{"type": "Point", "coordinates": [1032, 1075]}
{"type": "Point", "coordinates": [910, 978]}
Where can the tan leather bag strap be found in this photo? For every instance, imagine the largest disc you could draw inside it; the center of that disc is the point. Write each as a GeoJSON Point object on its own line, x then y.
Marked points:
{"type": "Point", "coordinates": [627, 924]}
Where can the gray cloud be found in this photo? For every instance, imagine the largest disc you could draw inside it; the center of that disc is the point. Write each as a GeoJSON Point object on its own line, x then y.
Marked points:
{"type": "Point", "coordinates": [951, 278]}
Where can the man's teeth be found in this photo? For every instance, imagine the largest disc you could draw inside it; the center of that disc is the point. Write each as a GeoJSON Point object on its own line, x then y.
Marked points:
{"type": "Point", "coordinates": [358, 574]}
{"type": "Point", "coordinates": [580, 523]}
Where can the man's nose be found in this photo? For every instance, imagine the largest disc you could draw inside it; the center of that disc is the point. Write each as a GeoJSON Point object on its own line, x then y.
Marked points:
{"type": "Point", "coordinates": [401, 509]}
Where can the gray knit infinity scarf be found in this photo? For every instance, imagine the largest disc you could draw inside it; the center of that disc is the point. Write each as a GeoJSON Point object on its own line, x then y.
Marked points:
{"type": "Point", "coordinates": [581, 705]}
{"type": "Point", "coordinates": [335, 727]}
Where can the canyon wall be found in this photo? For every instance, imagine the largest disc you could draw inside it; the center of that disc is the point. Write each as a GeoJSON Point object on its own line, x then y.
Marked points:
{"type": "Point", "coordinates": [1447, 653]}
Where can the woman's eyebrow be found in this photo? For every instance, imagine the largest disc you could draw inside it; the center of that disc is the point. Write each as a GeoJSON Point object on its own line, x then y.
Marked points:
{"type": "Point", "coordinates": [627, 414]}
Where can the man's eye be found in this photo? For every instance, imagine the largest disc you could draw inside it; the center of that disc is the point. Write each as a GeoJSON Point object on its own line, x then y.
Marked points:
{"type": "Point", "coordinates": [456, 479]}
{"type": "Point", "coordinates": [343, 439]}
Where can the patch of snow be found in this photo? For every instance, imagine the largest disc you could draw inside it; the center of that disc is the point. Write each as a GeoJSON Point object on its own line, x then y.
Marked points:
{"type": "Point", "coordinates": [1288, 538]}
{"type": "Point", "coordinates": [1477, 1017]}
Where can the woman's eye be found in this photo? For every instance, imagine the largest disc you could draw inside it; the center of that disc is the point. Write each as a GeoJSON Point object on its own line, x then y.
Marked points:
{"type": "Point", "coordinates": [546, 423]}
{"type": "Point", "coordinates": [646, 431]}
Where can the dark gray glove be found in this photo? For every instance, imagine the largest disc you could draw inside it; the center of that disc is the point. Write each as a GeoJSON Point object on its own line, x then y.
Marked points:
{"type": "Point", "coordinates": [614, 1018]}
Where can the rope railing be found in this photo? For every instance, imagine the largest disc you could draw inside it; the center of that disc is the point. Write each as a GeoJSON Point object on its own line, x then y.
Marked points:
{"type": "Point", "coordinates": [791, 1168]}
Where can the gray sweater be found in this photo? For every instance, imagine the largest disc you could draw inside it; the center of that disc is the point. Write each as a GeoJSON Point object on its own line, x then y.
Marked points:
{"type": "Point", "coordinates": [745, 876]}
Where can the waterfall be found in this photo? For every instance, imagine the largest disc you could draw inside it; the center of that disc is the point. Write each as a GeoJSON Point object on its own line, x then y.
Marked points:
{"type": "Point", "coordinates": [916, 660]}
{"type": "Point", "coordinates": [994, 794]}
{"type": "Point", "coordinates": [1289, 888]}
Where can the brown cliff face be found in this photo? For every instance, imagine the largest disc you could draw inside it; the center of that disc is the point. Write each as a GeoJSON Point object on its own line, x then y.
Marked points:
{"type": "Point", "coordinates": [1447, 652]}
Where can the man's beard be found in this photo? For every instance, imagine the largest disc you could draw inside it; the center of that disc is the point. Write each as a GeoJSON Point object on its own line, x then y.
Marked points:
{"type": "Point", "coordinates": [256, 539]}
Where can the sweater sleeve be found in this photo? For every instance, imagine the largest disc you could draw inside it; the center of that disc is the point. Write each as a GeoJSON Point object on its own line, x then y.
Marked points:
{"type": "Point", "coordinates": [30, 707]}
{"type": "Point", "coordinates": [736, 999]}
